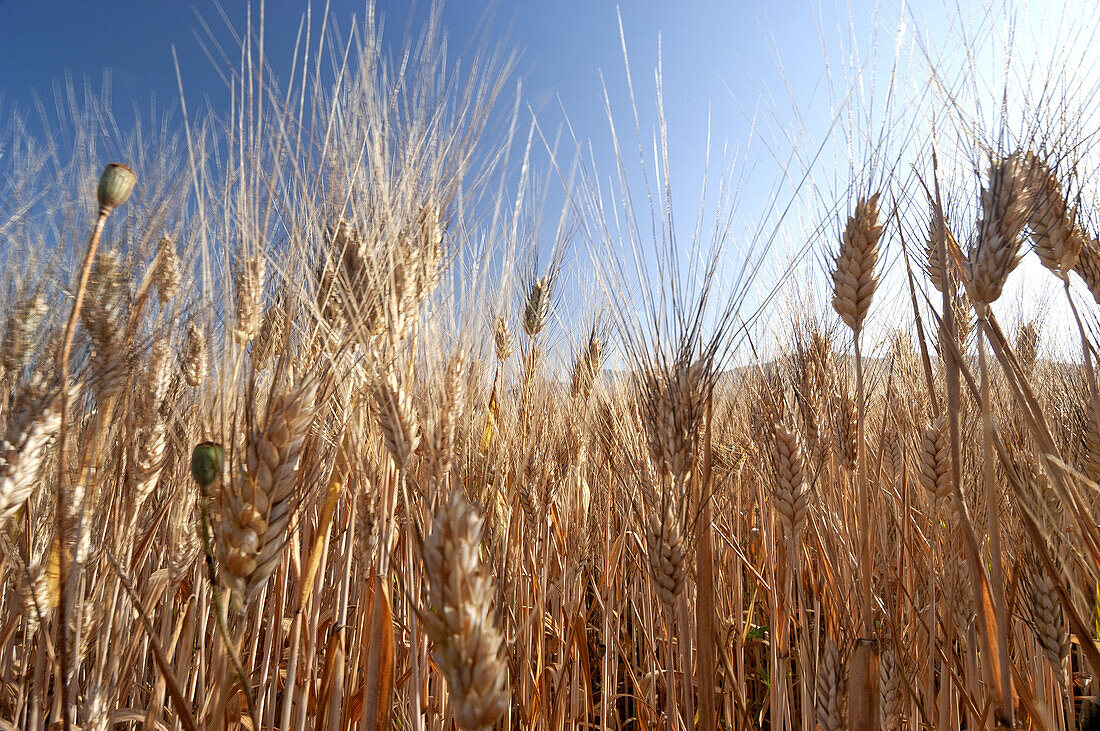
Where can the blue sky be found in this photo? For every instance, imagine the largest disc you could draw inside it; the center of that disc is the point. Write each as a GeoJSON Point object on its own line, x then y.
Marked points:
{"type": "Point", "coordinates": [718, 57]}
{"type": "Point", "coordinates": [754, 70]}
{"type": "Point", "coordinates": [566, 44]}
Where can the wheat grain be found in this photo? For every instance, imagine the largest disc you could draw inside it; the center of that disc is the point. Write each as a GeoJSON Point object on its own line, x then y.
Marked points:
{"type": "Point", "coordinates": [248, 288]}
{"type": "Point", "coordinates": [467, 644]}
{"type": "Point", "coordinates": [935, 460]}
{"type": "Point", "coordinates": [1006, 204]}
{"type": "Point", "coordinates": [791, 495]}
{"type": "Point", "coordinates": [830, 682]}
{"type": "Point", "coordinates": [854, 276]}
{"type": "Point", "coordinates": [24, 450]}
{"type": "Point", "coordinates": [257, 509]}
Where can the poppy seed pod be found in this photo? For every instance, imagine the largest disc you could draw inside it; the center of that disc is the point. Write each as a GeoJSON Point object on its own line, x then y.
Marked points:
{"type": "Point", "coordinates": [206, 463]}
{"type": "Point", "coordinates": [115, 186]}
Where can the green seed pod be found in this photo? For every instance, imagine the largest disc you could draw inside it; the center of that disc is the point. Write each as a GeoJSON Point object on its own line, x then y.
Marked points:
{"type": "Point", "coordinates": [206, 463]}
{"type": "Point", "coordinates": [115, 186]}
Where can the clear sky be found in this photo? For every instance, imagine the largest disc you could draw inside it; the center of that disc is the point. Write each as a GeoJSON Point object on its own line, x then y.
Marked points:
{"type": "Point", "coordinates": [566, 44]}
{"type": "Point", "coordinates": [755, 70]}
{"type": "Point", "coordinates": [720, 57]}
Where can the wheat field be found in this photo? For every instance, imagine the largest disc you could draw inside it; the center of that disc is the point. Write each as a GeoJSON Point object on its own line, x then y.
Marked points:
{"type": "Point", "coordinates": [303, 431]}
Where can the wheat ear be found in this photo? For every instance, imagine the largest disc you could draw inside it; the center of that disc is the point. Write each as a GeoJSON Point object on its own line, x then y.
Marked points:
{"type": "Point", "coordinates": [398, 419]}
{"type": "Point", "coordinates": [467, 644]}
{"type": "Point", "coordinates": [792, 498]}
{"type": "Point", "coordinates": [1088, 266]}
{"type": "Point", "coordinates": [1006, 203]}
{"type": "Point", "coordinates": [1058, 238]}
{"type": "Point", "coordinates": [23, 452]}
{"type": "Point", "coordinates": [854, 278]}
{"type": "Point", "coordinates": [935, 460]}
{"type": "Point", "coordinates": [248, 283]}
{"type": "Point", "coordinates": [257, 511]}
{"type": "Point", "coordinates": [829, 708]}
{"type": "Point", "coordinates": [1046, 615]}
{"type": "Point", "coordinates": [667, 553]}
{"type": "Point", "coordinates": [195, 360]}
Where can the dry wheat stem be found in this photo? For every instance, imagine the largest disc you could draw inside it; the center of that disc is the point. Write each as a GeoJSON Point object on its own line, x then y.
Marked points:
{"type": "Point", "coordinates": [63, 368]}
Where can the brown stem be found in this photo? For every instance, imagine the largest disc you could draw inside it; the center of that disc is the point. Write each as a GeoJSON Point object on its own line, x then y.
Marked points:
{"type": "Point", "coordinates": [1086, 352]}
{"type": "Point", "coordinates": [63, 378]}
{"type": "Point", "coordinates": [863, 689]}
{"type": "Point", "coordinates": [992, 520]}
{"type": "Point", "coordinates": [952, 382]}
{"type": "Point", "coordinates": [704, 606]}
{"type": "Point", "coordinates": [863, 490]}
{"type": "Point", "coordinates": [183, 713]}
